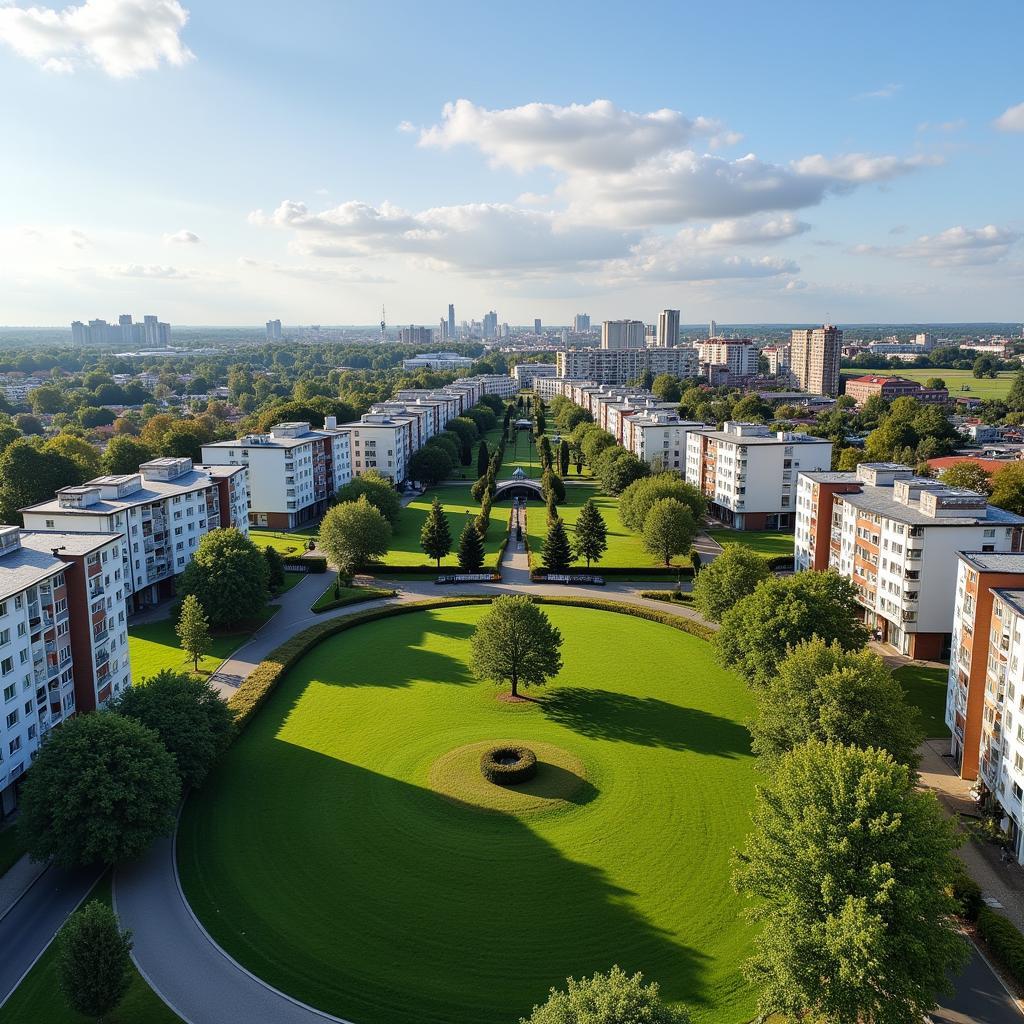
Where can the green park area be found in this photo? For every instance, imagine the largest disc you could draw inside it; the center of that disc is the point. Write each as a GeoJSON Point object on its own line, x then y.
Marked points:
{"type": "Point", "coordinates": [961, 383]}
{"type": "Point", "coordinates": [403, 887]}
{"type": "Point", "coordinates": [925, 688]}
{"type": "Point", "coordinates": [154, 646]}
{"type": "Point", "coordinates": [38, 997]}
{"type": "Point", "coordinates": [768, 543]}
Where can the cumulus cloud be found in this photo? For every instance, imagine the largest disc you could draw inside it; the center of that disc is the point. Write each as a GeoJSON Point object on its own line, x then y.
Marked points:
{"type": "Point", "coordinates": [578, 137]}
{"type": "Point", "coordinates": [1011, 119]}
{"type": "Point", "coordinates": [121, 37]}
{"type": "Point", "coordinates": [884, 93]}
{"type": "Point", "coordinates": [955, 247]}
{"type": "Point", "coordinates": [182, 237]}
{"type": "Point", "coordinates": [149, 271]}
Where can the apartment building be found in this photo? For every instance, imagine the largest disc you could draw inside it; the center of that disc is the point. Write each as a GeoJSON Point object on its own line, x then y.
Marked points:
{"type": "Point", "coordinates": [436, 360]}
{"type": "Point", "coordinates": [526, 374]}
{"type": "Point", "coordinates": [619, 334]}
{"type": "Point", "coordinates": [860, 389]}
{"type": "Point", "coordinates": [384, 442]}
{"type": "Point", "coordinates": [815, 356]}
{"type": "Point", "coordinates": [748, 473]}
{"type": "Point", "coordinates": [63, 638]}
{"type": "Point", "coordinates": [779, 358]}
{"type": "Point", "coordinates": [617, 366]}
{"type": "Point", "coordinates": [738, 355]}
{"type": "Point", "coordinates": [896, 537]}
{"type": "Point", "coordinates": [658, 437]}
{"type": "Point", "coordinates": [292, 472]}
{"type": "Point", "coordinates": [161, 512]}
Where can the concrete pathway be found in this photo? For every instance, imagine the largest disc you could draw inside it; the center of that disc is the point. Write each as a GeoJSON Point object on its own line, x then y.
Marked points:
{"type": "Point", "coordinates": [17, 880]}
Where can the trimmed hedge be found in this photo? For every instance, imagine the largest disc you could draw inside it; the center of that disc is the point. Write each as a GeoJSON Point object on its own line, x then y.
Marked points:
{"type": "Point", "coordinates": [1003, 940]}
{"type": "Point", "coordinates": [369, 594]}
{"type": "Point", "coordinates": [315, 564]}
{"type": "Point", "coordinates": [670, 596]}
{"type": "Point", "coordinates": [670, 573]}
{"type": "Point", "coordinates": [261, 682]}
{"type": "Point", "coordinates": [967, 893]}
{"type": "Point", "coordinates": [523, 768]}
{"type": "Point", "coordinates": [780, 562]}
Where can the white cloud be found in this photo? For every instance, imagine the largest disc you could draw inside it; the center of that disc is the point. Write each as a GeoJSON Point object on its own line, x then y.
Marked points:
{"type": "Point", "coordinates": [884, 93]}
{"type": "Point", "coordinates": [182, 237]}
{"type": "Point", "coordinates": [943, 126]}
{"type": "Point", "coordinates": [860, 168]}
{"type": "Point", "coordinates": [149, 271]}
{"type": "Point", "coordinates": [1011, 119]}
{"type": "Point", "coordinates": [577, 137]}
{"type": "Point", "coordinates": [955, 247]}
{"type": "Point", "coordinates": [352, 274]}
{"type": "Point", "coordinates": [121, 37]}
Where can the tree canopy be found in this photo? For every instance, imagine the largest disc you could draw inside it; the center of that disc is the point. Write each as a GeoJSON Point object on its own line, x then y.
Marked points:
{"type": "Point", "coordinates": [669, 529]}
{"type": "Point", "coordinates": [379, 490]}
{"type": "Point", "coordinates": [354, 533]}
{"type": "Point", "coordinates": [228, 576]}
{"type": "Point", "coordinates": [636, 500]}
{"type": "Point", "coordinates": [94, 968]}
{"type": "Point", "coordinates": [851, 868]}
{"type": "Point", "coordinates": [515, 642]}
{"type": "Point", "coordinates": [730, 577]}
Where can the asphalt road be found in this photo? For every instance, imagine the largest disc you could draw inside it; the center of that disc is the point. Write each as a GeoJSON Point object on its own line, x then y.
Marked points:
{"type": "Point", "coordinates": [30, 925]}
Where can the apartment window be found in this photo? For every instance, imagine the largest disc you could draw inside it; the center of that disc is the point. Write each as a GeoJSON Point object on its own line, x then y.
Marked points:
{"type": "Point", "coordinates": [5, 636]}
{"type": "Point", "coordinates": [6, 666]}
{"type": "Point", "coordinates": [3, 608]}
{"type": "Point", "coordinates": [12, 719]}
{"type": "Point", "coordinates": [10, 692]}
{"type": "Point", "coordinates": [15, 745]}
{"type": "Point", "coordinates": [49, 524]}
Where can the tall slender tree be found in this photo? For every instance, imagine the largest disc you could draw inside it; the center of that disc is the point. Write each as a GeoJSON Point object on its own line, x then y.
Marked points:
{"type": "Point", "coordinates": [483, 459]}
{"type": "Point", "coordinates": [563, 457]}
{"type": "Point", "coordinates": [557, 554]}
{"type": "Point", "coordinates": [591, 533]}
{"type": "Point", "coordinates": [436, 537]}
{"type": "Point", "coordinates": [471, 548]}
{"type": "Point", "coordinates": [193, 630]}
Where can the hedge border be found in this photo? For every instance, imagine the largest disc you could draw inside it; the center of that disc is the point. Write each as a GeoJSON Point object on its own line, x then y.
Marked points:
{"type": "Point", "coordinates": [344, 602]}
{"type": "Point", "coordinates": [668, 573]}
{"type": "Point", "coordinates": [1003, 940]}
{"type": "Point", "coordinates": [257, 687]}
{"type": "Point", "coordinates": [500, 774]}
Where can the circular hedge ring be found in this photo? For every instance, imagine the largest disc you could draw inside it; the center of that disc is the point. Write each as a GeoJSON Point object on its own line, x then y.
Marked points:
{"type": "Point", "coordinates": [505, 765]}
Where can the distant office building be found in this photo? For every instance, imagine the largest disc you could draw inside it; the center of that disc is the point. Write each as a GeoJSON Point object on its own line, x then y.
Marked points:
{"type": "Point", "coordinates": [416, 335]}
{"type": "Point", "coordinates": [437, 361]}
{"type": "Point", "coordinates": [151, 333]}
{"type": "Point", "coordinates": [738, 355]}
{"type": "Point", "coordinates": [815, 359]}
{"type": "Point", "coordinates": [860, 389]}
{"type": "Point", "coordinates": [581, 323]}
{"type": "Point", "coordinates": [779, 357]}
{"type": "Point", "coordinates": [451, 320]}
{"type": "Point", "coordinates": [712, 329]}
{"type": "Point", "coordinates": [489, 327]}
{"type": "Point", "coordinates": [668, 329]}
{"type": "Point", "coordinates": [526, 373]}
{"type": "Point", "coordinates": [618, 334]}
{"type": "Point", "coordinates": [273, 330]}
{"type": "Point", "coordinates": [537, 326]}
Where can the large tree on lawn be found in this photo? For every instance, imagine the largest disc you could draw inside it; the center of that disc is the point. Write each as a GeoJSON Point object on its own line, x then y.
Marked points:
{"type": "Point", "coordinates": [187, 714]}
{"type": "Point", "coordinates": [851, 869]}
{"type": "Point", "coordinates": [379, 490]}
{"type": "Point", "coordinates": [591, 540]}
{"type": "Point", "coordinates": [101, 789]}
{"type": "Point", "coordinates": [354, 533]}
{"type": "Point", "coordinates": [436, 537]}
{"type": "Point", "coordinates": [471, 548]}
{"type": "Point", "coordinates": [515, 643]}
{"type": "Point", "coordinates": [822, 692]}
{"type": "Point", "coordinates": [94, 967]}
{"type": "Point", "coordinates": [228, 575]}
{"type": "Point", "coordinates": [783, 611]}
{"type": "Point", "coordinates": [729, 578]}
{"type": "Point", "coordinates": [669, 529]}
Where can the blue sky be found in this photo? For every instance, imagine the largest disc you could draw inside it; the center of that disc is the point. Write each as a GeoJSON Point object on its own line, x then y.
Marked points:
{"type": "Point", "coordinates": [227, 162]}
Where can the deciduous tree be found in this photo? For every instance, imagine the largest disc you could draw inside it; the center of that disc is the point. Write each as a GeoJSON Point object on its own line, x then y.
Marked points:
{"type": "Point", "coordinates": [730, 577]}
{"type": "Point", "coordinates": [379, 490]}
{"type": "Point", "coordinates": [852, 869]}
{"type": "Point", "coordinates": [430, 465]}
{"type": "Point", "coordinates": [193, 629]}
{"type": "Point", "coordinates": [124, 454]}
{"type": "Point", "coordinates": [515, 642]}
{"type": "Point", "coordinates": [228, 574]}
{"type": "Point", "coordinates": [94, 967]}
{"type": "Point", "coordinates": [636, 500]}
{"type": "Point", "coordinates": [669, 529]}
{"type": "Point", "coordinates": [353, 534]}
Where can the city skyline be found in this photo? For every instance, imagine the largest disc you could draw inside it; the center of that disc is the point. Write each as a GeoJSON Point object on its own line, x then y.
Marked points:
{"type": "Point", "coordinates": [875, 189]}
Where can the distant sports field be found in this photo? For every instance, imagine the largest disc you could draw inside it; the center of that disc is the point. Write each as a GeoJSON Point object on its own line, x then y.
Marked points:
{"type": "Point", "coordinates": [961, 383]}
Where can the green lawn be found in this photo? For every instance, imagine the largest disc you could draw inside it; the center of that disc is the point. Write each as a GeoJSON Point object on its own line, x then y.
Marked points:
{"type": "Point", "coordinates": [283, 543]}
{"type": "Point", "coordinates": [154, 646]}
{"type": "Point", "coordinates": [457, 501]}
{"type": "Point", "coordinates": [989, 387]}
{"type": "Point", "coordinates": [765, 542]}
{"type": "Point", "coordinates": [347, 595]}
{"type": "Point", "coordinates": [522, 452]}
{"type": "Point", "coordinates": [321, 856]}
{"type": "Point", "coordinates": [926, 690]}
{"type": "Point", "coordinates": [625, 548]}
{"type": "Point", "coordinates": [38, 999]}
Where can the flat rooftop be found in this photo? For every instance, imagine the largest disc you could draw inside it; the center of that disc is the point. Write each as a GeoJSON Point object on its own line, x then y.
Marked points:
{"type": "Point", "coordinates": [994, 561]}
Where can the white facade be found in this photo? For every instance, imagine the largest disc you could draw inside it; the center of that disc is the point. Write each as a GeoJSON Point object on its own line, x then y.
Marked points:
{"type": "Point", "coordinates": [618, 334]}
{"type": "Point", "coordinates": [617, 366]}
{"type": "Point", "coordinates": [658, 437]}
{"type": "Point", "coordinates": [668, 329]}
{"type": "Point", "coordinates": [526, 374]}
{"type": "Point", "coordinates": [740, 356]}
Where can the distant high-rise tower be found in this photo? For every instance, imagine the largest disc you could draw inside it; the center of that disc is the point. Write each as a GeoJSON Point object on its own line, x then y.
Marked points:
{"type": "Point", "coordinates": [490, 325]}
{"type": "Point", "coordinates": [151, 327]}
{"type": "Point", "coordinates": [712, 329]}
{"type": "Point", "coordinates": [815, 359]}
{"type": "Point", "coordinates": [383, 325]}
{"type": "Point", "coordinates": [451, 321]}
{"type": "Point", "coordinates": [125, 323]}
{"type": "Point", "coordinates": [78, 333]}
{"type": "Point", "coordinates": [273, 330]}
{"type": "Point", "coordinates": [581, 323]}
{"type": "Point", "coordinates": [623, 334]}
{"type": "Point", "coordinates": [536, 325]}
{"type": "Point", "coordinates": [668, 329]}
{"type": "Point", "coordinates": [442, 330]}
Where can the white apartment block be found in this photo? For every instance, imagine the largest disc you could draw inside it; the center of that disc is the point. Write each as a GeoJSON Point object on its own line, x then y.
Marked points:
{"type": "Point", "coordinates": [748, 473]}
{"type": "Point", "coordinates": [739, 355]}
{"type": "Point", "coordinates": [437, 361]}
{"type": "Point", "coordinates": [292, 472]}
{"type": "Point", "coordinates": [383, 442]}
{"type": "Point", "coordinates": [63, 638]}
{"type": "Point", "coordinates": [896, 536]}
{"type": "Point", "coordinates": [619, 334]}
{"type": "Point", "coordinates": [658, 437]}
{"type": "Point", "coordinates": [618, 366]}
{"type": "Point", "coordinates": [527, 374]}
{"type": "Point", "coordinates": [161, 513]}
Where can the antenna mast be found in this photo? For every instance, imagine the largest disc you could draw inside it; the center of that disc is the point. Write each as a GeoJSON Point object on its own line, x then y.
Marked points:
{"type": "Point", "coordinates": [383, 324]}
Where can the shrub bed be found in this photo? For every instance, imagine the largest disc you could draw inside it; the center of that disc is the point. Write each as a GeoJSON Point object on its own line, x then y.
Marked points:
{"type": "Point", "coordinates": [967, 893]}
{"type": "Point", "coordinates": [349, 595]}
{"type": "Point", "coordinates": [671, 596]}
{"type": "Point", "coordinates": [314, 564]}
{"type": "Point", "coordinates": [669, 573]}
{"type": "Point", "coordinates": [507, 764]}
{"type": "Point", "coordinates": [1004, 941]}
{"type": "Point", "coordinates": [696, 629]}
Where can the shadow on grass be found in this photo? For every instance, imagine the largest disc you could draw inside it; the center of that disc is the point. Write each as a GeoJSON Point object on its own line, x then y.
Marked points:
{"type": "Point", "coordinates": [552, 782]}
{"type": "Point", "coordinates": [375, 899]}
{"type": "Point", "coordinates": [646, 721]}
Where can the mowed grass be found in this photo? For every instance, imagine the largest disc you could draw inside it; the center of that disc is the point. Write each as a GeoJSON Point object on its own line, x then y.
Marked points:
{"type": "Point", "coordinates": [768, 543]}
{"type": "Point", "coordinates": [986, 387]}
{"type": "Point", "coordinates": [926, 690]}
{"type": "Point", "coordinates": [38, 999]}
{"type": "Point", "coordinates": [458, 502]}
{"type": "Point", "coordinates": [319, 856]}
{"type": "Point", "coordinates": [154, 646]}
{"type": "Point", "coordinates": [282, 543]}
{"type": "Point", "coordinates": [625, 548]}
